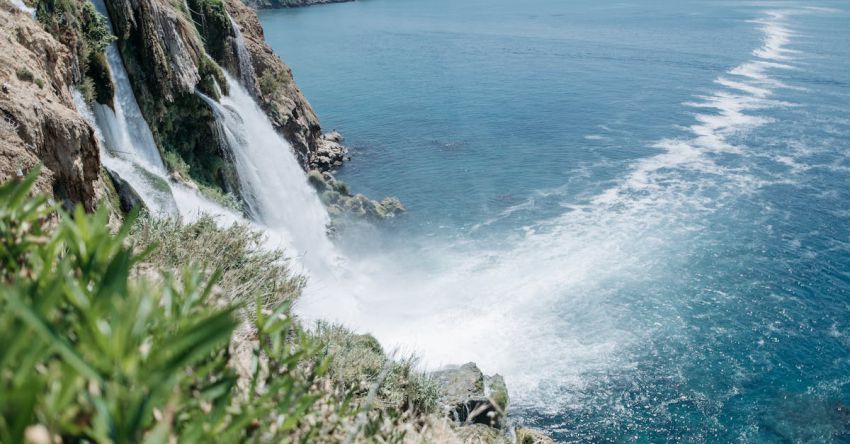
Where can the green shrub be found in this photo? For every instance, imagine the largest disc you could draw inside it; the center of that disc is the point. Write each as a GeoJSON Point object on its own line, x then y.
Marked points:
{"type": "Point", "coordinates": [78, 25]}
{"type": "Point", "coordinates": [91, 354]}
{"type": "Point", "coordinates": [132, 336]}
{"type": "Point", "coordinates": [25, 75]}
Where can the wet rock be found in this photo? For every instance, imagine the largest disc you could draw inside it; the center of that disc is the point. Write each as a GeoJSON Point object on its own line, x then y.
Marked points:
{"type": "Point", "coordinates": [469, 398]}
{"type": "Point", "coordinates": [127, 196]}
{"type": "Point", "coordinates": [532, 436]}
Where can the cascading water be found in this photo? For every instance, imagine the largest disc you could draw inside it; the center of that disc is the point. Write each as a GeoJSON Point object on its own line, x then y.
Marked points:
{"type": "Point", "coordinates": [131, 152]}
{"type": "Point", "coordinates": [272, 183]}
{"type": "Point", "coordinates": [243, 58]}
{"type": "Point", "coordinates": [130, 148]}
{"type": "Point", "coordinates": [23, 7]}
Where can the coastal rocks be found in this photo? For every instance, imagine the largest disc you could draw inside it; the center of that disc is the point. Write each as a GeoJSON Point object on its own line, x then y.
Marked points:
{"type": "Point", "coordinates": [468, 397]}
{"type": "Point", "coordinates": [38, 121]}
{"type": "Point", "coordinates": [282, 100]}
{"type": "Point", "coordinates": [339, 200]}
{"type": "Point", "coordinates": [478, 405]}
{"type": "Point", "coordinates": [531, 436]}
{"type": "Point", "coordinates": [329, 153]}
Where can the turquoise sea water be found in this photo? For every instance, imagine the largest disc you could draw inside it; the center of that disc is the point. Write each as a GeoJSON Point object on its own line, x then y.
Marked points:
{"type": "Point", "coordinates": [638, 212]}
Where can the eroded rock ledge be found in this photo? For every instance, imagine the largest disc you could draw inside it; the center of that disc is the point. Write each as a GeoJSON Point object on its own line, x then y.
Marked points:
{"type": "Point", "coordinates": [38, 121]}
{"type": "Point", "coordinates": [479, 404]}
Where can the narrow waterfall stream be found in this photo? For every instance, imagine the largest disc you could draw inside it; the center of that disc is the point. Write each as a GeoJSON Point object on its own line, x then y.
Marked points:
{"type": "Point", "coordinates": [243, 58]}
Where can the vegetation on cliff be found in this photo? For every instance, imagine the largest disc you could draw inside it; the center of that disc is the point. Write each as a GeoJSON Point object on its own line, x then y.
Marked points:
{"type": "Point", "coordinates": [162, 331]}
{"type": "Point", "coordinates": [82, 29]}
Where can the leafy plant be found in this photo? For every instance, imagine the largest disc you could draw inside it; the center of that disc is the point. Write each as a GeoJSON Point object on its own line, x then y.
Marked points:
{"type": "Point", "coordinates": [89, 353]}
{"type": "Point", "coordinates": [25, 74]}
{"type": "Point", "coordinates": [163, 332]}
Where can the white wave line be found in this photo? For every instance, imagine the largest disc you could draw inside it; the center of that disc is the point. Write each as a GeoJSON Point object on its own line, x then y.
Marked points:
{"type": "Point", "coordinates": [750, 90]}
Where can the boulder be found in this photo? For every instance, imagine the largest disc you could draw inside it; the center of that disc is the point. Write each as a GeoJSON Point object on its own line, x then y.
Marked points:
{"type": "Point", "coordinates": [468, 397]}
{"type": "Point", "coordinates": [338, 199]}
{"type": "Point", "coordinates": [532, 436]}
{"type": "Point", "coordinates": [127, 196]}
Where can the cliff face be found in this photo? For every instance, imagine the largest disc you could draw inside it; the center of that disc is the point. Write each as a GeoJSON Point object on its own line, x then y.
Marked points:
{"type": "Point", "coordinates": [167, 63]}
{"type": "Point", "coordinates": [38, 121]}
{"type": "Point", "coordinates": [281, 98]}
{"type": "Point", "coordinates": [173, 49]}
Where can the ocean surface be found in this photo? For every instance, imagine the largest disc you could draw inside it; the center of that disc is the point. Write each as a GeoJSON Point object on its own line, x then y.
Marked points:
{"type": "Point", "coordinates": [638, 212]}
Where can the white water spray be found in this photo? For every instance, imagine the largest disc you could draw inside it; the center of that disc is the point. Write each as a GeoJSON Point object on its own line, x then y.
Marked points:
{"type": "Point", "coordinates": [130, 150]}
{"type": "Point", "coordinates": [550, 308]}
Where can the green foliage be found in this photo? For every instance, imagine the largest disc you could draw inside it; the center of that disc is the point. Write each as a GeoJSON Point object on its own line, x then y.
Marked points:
{"type": "Point", "coordinates": [177, 165]}
{"type": "Point", "coordinates": [135, 335]}
{"type": "Point", "coordinates": [358, 360]}
{"type": "Point", "coordinates": [270, 83]}
{"type": "Point", "coordinates": [25, 75]}
{"type": "Point", "coordinates": [248, 272]}
{"type": "Point", "coordinates": [78, 25]}
{"type": "Point", "coordinates": [91, 354]}
{"type": "Point", "coordinates": [213, 83]}
{"type": "Point", "coordinates": [213, 25]}
{"type": "Point", "coordinates": [80, 16]}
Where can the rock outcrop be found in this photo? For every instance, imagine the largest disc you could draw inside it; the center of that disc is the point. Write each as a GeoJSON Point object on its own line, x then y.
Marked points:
{"type": "Point", "coordinates": [283, 101]}
{"type": "Point", "coordinates": [469, 397]}
{"type": "Point", "coordinates": [167, 65]}
{"type": "Point", "coordinates": [38, 121]}
{"type": "Point", "coordinates": [478, 404]}
{"type": "Point", "coordinates": [531, 436]}
{"type": "Point", "coordinates": [341, 202]}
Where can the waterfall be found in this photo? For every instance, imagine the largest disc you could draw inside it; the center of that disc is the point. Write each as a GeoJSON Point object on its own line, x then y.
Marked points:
{"type": "Point", "coordinates": [273, 184]}
{"type": "Point", "coordinates": [23, 7]}
{"type": "Point", "coordinates": [243, 59]}
{"type": "Point", "coordinates": [130, 150]}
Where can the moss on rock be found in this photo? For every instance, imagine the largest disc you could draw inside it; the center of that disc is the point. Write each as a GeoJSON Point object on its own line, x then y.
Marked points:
{"type": "Point", "coordinates": [337, 197]}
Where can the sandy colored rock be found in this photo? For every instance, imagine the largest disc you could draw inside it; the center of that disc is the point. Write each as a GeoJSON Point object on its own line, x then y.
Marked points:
{"type": "Point", "coordinates": [38, 121]}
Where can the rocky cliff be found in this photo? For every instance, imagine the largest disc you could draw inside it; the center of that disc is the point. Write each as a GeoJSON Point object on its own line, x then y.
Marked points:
{"type": "Point", "coordinates": [38, 121]}
{"type": "Point", "coordinates": [173, 50]}
{"type": "Point", "coordinates": [283, 101]}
